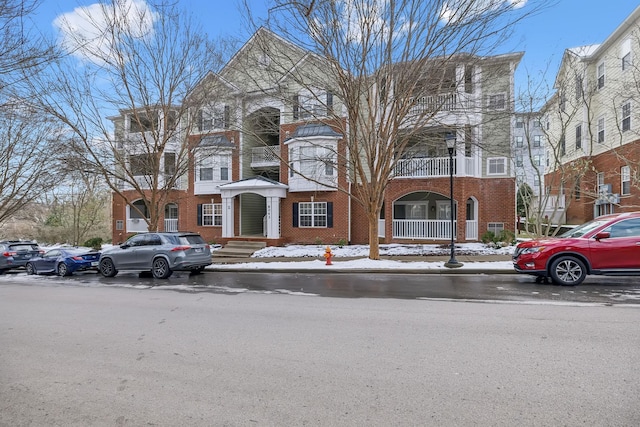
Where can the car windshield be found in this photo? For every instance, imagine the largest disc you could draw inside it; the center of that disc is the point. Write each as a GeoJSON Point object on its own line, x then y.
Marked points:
{"type": "Point", "coordinates": [583, 229]}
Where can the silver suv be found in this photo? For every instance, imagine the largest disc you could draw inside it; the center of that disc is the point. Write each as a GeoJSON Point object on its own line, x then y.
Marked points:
{"type": "Point", "coordinates": [160, 253]}
{"type": "Point", "coordinates": [16, 253]}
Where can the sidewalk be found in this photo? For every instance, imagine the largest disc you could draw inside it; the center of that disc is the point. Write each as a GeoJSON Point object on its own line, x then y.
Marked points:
{"type": "Point", "coordinates": [400, 264]}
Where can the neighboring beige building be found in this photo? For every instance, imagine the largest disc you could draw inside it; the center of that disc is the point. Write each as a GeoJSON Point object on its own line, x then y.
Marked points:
{"type": "Point", "coordinates": [593, 126]}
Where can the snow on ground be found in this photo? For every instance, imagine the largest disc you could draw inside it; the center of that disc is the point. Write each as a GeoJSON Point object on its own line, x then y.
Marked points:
{"type": "Point", "coordinates": [314, 251]}
{"type": "Point", "coordinates": [364, 263]}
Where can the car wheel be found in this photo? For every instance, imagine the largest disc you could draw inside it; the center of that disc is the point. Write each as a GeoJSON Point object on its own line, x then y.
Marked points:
{"type": "Point", "coordinates": [160, 268]}
{"type": "Point", "coordinates": [568, 271]}
{"type": "Point", "coordinates": [107, 269]}
{"type": "Point", "coordinates": [29, 268]}
{"type": "Point", "coordinates": [63, 270]}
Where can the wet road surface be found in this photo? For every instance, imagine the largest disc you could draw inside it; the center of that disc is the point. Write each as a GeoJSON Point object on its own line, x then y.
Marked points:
{"type": "Point", "coordinates": [485, 287]}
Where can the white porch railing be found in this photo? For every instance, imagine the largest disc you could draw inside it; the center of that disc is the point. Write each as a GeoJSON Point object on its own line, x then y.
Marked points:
{"type": "Point", "coordinates": [171, 225]}
{"type": "Point", "coordinates": [442, 102]}
{"type": "Point", "coordinates": [265, 156]}
{"type": "Point", "coordinates": [471, 231]}
{"type": "Point", "coordinates": [423, 229]}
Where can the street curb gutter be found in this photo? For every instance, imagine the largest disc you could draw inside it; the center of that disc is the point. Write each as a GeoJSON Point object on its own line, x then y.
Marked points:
{"type": "Point", "coordinates": [431, 271]}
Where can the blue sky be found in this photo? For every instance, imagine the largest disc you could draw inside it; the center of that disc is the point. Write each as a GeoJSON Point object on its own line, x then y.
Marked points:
{"type": "Point", "coordinates": [543, 38]}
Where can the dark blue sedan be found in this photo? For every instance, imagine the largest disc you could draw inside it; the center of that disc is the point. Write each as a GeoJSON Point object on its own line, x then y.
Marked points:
{"type": "Point", "coordinates": [64, 261]}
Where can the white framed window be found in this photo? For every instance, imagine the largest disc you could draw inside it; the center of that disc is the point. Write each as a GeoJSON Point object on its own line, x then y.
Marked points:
{"type": "Point", "coordinates": [119, 224]}
{"type": "Point", "coordinates": [496, 101]}
{"type": "Point", "coordinates": [519, 123]}
{"type": "Point", "coordinates": [495, 227]}
{"type": "Point", "coordinates": [519, 141]}
{"type": "Point", "coordinates": [496, 165]}
{"type": "Point", "coordinates": [537, 160]}
{"type": "Point", "coordinates": [626, 116]}
{"type": "Point", "coordinates": [600, 75]}
{"type": "Point", "coordinates": [600, 181]}
{"type": "Point", "coordinates": [601, 131]}
{"type": "Point", "coordinates": [309, 105]}
{"type": "Point", "coordinates": [625, 54]}
{"type": "Point", "coordinates": [537, 140]}
{"type": "Point", "coordinates": [519, 161]}
{"type": "Point", "coordinates": [212, 215]}
{"type": "Point", "coordinates": [214, 118]}
{"type": "Point", "coordinates": [536, 181]}
{"type": "Point", "coordinates": [312, 214]}
{"type": "Point", "coordinates": [213, 165]}
{"type": "Point", "coordinates": [536, 123]}
{"type": "Point", "coordinates": [625, 180]}
{"type": "Point", "coordinates": [314, 161]}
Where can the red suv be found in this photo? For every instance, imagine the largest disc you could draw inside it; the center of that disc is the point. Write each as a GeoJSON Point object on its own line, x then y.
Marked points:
{"type": "Point", "coordinates": [608, 245]}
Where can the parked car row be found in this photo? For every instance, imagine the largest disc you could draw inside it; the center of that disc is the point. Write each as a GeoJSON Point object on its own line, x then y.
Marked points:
{"type": "Point", "coordinates": [159, 253]}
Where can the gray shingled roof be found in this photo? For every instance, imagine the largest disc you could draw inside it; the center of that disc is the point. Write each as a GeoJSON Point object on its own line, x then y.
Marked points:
{"type": "Point", "coordinates": [215, 141]}
{"type": "Point", "coordinates": [315, 129]}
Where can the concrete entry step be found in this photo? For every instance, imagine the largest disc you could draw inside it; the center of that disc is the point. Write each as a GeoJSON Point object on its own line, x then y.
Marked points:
{"type": "Point", "coordinates": [239, 249]}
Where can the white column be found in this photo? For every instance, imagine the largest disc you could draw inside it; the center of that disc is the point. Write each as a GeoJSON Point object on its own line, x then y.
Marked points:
{"type": "Point", "coordinates": [227, 217]}
{"type": "Point", "coordinates": [273, 218]}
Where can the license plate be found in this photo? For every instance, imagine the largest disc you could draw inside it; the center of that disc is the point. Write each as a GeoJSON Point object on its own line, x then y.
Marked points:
{"type": "Point", "coordinates": [198, 250]}
{"type": "Point", "coordinates": [94, 264]}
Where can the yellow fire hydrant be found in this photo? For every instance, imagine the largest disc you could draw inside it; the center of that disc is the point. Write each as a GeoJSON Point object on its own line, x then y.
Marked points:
{"type": "Point", "coordinates": [328, 255]}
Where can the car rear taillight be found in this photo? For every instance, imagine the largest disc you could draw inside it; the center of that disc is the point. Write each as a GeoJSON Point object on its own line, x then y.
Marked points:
{"type": "Point", "coordinates": [181, 248]}
{"type": "Point", "coordinates": [207, 246]}
{"type": "Point", "coordinates": [77, 258]}
{"type": "Point", "coordinates": [9, 254]}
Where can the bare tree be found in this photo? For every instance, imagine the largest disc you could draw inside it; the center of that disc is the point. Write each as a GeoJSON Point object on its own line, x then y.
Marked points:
{"type": "Point", "coordinates": [27, 167]}
{"type": "Point", "coordinates": [386, 63]}
{"type": "Point", "coordinates": [120, 97]}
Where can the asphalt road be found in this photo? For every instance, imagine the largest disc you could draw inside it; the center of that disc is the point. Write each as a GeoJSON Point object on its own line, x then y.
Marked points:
{"type": "Point", "coordinates": [83, 355]}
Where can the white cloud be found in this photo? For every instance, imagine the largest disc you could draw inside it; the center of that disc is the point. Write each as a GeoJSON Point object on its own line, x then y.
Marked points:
{"type": "Point", "coordinates": [456, 10]}
{"type": "Point", "coordinates": [87, 31]}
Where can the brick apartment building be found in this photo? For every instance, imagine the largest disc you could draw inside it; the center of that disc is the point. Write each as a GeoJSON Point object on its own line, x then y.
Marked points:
{"type": "Point", "coordinates": [267, 167]}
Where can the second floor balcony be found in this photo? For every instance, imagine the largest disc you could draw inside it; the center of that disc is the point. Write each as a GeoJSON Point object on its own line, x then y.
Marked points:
{"type": "Point", "coordinates": [442, 102]}
{"type": "Point", "coordinates": [265, 157]}
{"type": "Point", "coordinates": [429, 167]}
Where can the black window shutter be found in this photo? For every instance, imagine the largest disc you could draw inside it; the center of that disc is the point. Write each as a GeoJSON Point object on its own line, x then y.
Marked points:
{"type": "Point", "coordinates": [199, 214]}
{"type": "Point", "coordinates": [329, 214]}
{"type": "Point", "coordinates": [227, 116]}
{"type": "Point", "coordinates": [296, 107]}
{"type": "Point", "coordinates": [200, 120]}
{"type": "Point", "coordinates": [295, 215]}
{"type": "Point", "coordinates": [329, 103]}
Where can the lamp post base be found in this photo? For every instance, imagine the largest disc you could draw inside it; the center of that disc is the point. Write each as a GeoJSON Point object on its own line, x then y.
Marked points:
{"type": "Point", "coordinates": [453, 263]}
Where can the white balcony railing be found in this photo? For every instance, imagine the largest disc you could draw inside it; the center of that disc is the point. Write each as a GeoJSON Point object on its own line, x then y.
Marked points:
{"type": "Point", "coordinates": [471, 232]}
{"type": "Point", "coordinates": [431, 229]}
{"type": "Point", "coordinates": [265, 156]}
{"type": "Point", "coordinates": [136, 225]}
{"type": "Point", "coordinates": [441, 102]}
{"type": "Point", "coordinates": [171, 224]}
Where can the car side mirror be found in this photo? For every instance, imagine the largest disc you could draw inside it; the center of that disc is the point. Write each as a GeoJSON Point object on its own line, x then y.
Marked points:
{"type": "Point", "coordinates": [602, 235]}
{"type": "Point", "coordinates": [125, 246]}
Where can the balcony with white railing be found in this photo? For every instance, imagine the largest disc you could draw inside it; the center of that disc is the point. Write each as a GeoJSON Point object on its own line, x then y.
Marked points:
{"type": "Point", "coordinates": [441, 102]}
{"type": "Point", "coordinates": [171, 224]}
{"type": "Point", "coordinates": [429, 167]}
{"type": "Point", "coordinates": [429, 229]}
{"type": "Point", "coordinates": [268, 156]}
{"type": "Point", "coordinates": [136, 225]}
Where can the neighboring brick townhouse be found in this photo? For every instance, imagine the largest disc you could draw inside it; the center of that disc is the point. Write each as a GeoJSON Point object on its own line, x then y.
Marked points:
{"type": "Point", "coordinates": [593, 127]}
{"type": "Point", "coordinates": [251, 143]}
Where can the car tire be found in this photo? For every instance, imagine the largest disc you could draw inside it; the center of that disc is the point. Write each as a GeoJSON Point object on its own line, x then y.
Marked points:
{"type": "Point", "coordinates": [107, 269]}
{"type": "Point", "coordinates": [63, 270]}
{"type": "Point", "coordinates": [29, 268]}
{"type": "Point", "coordinates": [160, 268]}
{"type": "Point", "coordinates": [568, 271]}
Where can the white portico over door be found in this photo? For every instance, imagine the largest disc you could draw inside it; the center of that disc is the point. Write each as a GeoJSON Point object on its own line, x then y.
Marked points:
{"type": "Point", "coordinates": [268, 215]}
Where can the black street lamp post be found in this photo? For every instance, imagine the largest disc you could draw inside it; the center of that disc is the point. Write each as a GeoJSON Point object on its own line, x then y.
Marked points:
{"type": "Point", "coordinates": [450, 139]}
